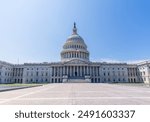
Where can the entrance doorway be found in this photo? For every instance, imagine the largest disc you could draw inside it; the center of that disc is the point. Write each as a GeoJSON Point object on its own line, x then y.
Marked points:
{"type": "Point", "coordinates": [75, 73]}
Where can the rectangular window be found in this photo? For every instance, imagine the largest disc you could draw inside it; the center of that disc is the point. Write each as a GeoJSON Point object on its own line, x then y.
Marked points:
{"type": "Point", "coordinates": [104, 74]}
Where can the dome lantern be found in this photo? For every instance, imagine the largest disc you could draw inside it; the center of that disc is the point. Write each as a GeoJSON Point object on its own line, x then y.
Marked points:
{"type": "Point", "coordinates": [74, 29]}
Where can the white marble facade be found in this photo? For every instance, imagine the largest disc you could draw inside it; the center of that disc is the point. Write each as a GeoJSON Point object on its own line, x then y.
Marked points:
{"type": "Point", "coordinates": [75, 65]}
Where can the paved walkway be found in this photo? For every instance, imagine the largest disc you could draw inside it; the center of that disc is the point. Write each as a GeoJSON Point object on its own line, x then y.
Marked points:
{"type": "Point", "coordinates": [78, 94]}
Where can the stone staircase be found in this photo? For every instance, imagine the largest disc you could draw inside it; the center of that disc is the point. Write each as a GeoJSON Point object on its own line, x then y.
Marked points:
{"type": "Point", "coordinates": [77, 81]}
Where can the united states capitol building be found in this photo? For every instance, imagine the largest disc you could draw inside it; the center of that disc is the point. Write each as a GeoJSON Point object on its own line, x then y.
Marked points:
{"type": "Point", "coordinates": [75, 66]}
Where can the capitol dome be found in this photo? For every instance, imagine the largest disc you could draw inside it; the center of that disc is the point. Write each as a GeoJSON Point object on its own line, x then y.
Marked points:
{"type": "Point", "coordinates": [74, 48]}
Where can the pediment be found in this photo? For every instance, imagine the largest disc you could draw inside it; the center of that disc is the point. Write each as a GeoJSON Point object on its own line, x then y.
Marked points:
{"type": "Point", "coordinates": [77, 61]}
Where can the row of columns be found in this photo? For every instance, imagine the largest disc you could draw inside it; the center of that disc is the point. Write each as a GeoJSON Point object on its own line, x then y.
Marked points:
{"type": "Point", "coordinates": [17, 71]}
{"type": "Point", "coordinates": [75, 55]}
{"type": "Point", "coordinates": [75, 71]}
{"type": "Point", "coordinates": [132, 72]}
{"type": "Point", "coordinates": [74, 46]}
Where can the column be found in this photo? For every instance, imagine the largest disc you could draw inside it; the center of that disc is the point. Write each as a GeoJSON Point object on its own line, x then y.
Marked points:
{"type": "Point", "coordinates": [54, 71]}
{"type": "Point", "coordinates": [77, 70]}
{"type": "Point", "coordinates": [91, 70]}
{"type": "Point", "coordinates": [84, 71]}
{"type": "Point", "coordinates": [80, 71]}
{"type": "Point", "coordinates": [57, 70]}
{"type": "Point", "coordinates": [97, 70]}
{"type": "Point", "coordinates": [73, 54]}
{"type": "Point", "coordinates": [87, 70]}
{"type": "Point", "coordinates": [60, 72]}
{"type": "Point", "coordinates": [67, 70]}
{"type": "Point", "coordinates": [63, 70]}
{"type": "Point", "coordinates": [74, 71]}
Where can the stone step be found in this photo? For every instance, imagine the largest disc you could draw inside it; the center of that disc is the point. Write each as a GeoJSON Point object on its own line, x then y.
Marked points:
{"type": "Point", "coordinates": [77, 81]}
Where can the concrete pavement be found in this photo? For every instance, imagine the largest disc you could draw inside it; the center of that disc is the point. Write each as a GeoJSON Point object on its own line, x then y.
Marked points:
{"type": "Point", "coordinates": [78, 94]}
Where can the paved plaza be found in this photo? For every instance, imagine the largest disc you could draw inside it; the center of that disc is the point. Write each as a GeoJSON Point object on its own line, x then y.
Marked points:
{"type": "Point", "coordinates": [78, 94]}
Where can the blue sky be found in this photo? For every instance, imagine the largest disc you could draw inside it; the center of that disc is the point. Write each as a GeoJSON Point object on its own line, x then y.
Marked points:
{"type": "Point", "coordinates": [35, 30]}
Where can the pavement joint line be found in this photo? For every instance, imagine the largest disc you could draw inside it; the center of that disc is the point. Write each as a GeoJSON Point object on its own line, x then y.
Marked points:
{"type": "Point", "coordinates": [37, 91]}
